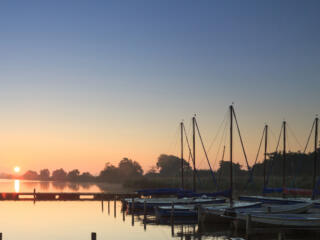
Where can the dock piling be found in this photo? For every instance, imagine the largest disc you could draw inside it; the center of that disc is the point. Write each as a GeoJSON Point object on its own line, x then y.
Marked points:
{"type": "Point", "coordinates": [145, 210]}
{"type": "Point", "coordinates": [248, 225]}
{"type": "Point", "coordinates": [172, 214]}
{"type": "Point", "coordinates": [109, 207]}
{"type": "Point", "coordinates": [115, 207]}
{"type": "Point", "coordinates": [281, 236]}
{"type": "Point", "coordinates": [93, 236]}
{"type": "Point", "coordinates": [102, 207]}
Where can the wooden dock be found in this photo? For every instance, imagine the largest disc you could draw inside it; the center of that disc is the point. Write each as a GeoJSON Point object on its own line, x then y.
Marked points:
{"type": "Point", "coordinates": [64, 196]}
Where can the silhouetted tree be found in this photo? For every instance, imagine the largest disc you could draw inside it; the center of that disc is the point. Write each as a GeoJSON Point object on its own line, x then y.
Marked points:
{"type": "Point", "coordinates": [110, 173]}
{"type": "Point", "coordinates": [59, 175]}
{"type": "Point", "coordinates": [170, 165]}
{"type": "Point", "coordinates": [30, 175]}
{"type": "Point", "coordinates": [152, 172]}
{"type": "Point", "coordinates": [86, 177]}
{"type": "Point", "coordinates": [73, 175]}
{"type": "Point", "coordinates": [129, 168]}
{"type": "Point", "coordinates": [224, 169]}
{"type": "Point", "coordinates": [44, 174]}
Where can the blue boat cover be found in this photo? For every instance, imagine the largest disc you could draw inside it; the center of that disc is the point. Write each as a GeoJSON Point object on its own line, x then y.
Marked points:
{"type": "Point", "coordinates": [272, 190]}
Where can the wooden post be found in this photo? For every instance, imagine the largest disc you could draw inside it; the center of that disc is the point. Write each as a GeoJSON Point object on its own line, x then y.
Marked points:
{"type": "Point", "coordinates": [93, 236]}
{"type": "Point", "coordinates": [108, 206]}
{"type": "Point", "coordinates": [280, 236]}
{"type": "Point", "coordinates": [132, 206]}
{"type": "Point", "coordinates": [172, 214]}
{"type": "Point", "coordinates": [132, 211]}
{"type": "Point", "coordinates": [102, 207]}
{"type": "Point", "coordinates": [0, 236]}
{"type": "Point", "coordinates": [115, 207]}
{"type": "Point", "coordinates": [199, 219]}
{"type": "Point", "coordinates": [248, 225]}
{"type": "Point", "coordinates": [199, 214]}
{"type": "Point", "coordinates": [34, 196]}
{"type": "Point", "coordinates": [145, 210]}
{"type": "Point", "coordinates": [123, 216]}
{"type": "Point", "coordinates": [132, 219]}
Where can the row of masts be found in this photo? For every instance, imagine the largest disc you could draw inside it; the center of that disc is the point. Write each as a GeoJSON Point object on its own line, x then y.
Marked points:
{"type": "Point", "coordinates": [265, 133]}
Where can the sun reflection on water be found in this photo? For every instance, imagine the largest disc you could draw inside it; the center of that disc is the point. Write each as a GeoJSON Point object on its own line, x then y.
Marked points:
{"type": "Point", "coordinates": [16, 185]}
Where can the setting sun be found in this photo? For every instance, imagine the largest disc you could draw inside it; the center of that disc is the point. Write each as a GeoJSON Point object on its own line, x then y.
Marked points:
{"type": "Point", "coordinates": [16, 169]}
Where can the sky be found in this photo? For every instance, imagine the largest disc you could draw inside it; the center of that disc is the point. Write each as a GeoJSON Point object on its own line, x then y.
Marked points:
{"type": "Point", "coordinates": [83, 83]}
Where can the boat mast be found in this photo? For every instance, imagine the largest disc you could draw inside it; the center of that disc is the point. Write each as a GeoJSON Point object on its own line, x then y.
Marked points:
{"type": "Point", "coordinates": [265, 154]}
{"type": "Point", "coordinates": [284, 160]}
{"type": "Point", "coordinates": [182, 180]}
{"type": "Point", "coordinates": [315, 154]}
{"type": "Point", "coordinates": [194, 152]}
{"type": "Point", "coordinates": [231, 130]}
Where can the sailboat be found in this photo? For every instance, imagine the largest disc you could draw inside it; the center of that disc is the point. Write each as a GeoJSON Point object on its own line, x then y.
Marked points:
{"type": "Point", "coordinates": [181, 196]}
{"type": "Point", "coordinates": [222, 214]}
{"type": "Point", "coordinates": [284, 189]}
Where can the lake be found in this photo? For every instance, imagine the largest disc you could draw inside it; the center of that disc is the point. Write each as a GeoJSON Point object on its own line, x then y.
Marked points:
{"type": "Point", "coordinates": [76, 220]}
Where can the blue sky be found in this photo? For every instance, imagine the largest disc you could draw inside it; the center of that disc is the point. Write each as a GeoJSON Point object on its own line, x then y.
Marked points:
{"type": "Point", "coordinates": [122, 74]}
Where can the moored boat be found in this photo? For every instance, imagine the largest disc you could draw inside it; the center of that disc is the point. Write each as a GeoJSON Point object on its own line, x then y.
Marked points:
{"type": "Point", "coordinates": [295, 221]}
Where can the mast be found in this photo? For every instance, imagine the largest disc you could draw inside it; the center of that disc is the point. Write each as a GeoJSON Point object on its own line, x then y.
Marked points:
{"type": "Point", "coordinates": [284, 160]}
{"type": "Point", "coordinates": [231, 130]}
{"type": "Point", "coordinates": [265, 154]}
{"type": "Point", "coordinates": [315, 155]}
{"type": "Point", "coordinates": [182, 180]}
{"type": "Point", "coordinates": [194, 152]}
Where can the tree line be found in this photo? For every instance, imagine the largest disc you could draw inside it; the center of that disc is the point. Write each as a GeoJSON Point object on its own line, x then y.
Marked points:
{"type": "Point", "coordinates": [169, 166]}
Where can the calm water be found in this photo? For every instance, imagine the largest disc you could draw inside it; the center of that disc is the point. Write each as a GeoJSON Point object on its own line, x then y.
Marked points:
{"type": "Point", "coordinates": [9, 185]}
{"type": "Point", "coordinates": [76, 220]}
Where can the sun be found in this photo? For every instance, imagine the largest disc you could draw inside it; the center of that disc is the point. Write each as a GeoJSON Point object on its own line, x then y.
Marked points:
{"type": "Point", "coordinates": [16, 169]}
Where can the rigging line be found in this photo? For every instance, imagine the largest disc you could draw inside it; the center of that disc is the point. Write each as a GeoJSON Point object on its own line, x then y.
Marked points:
{"type": "Point", "coordinates": [295, 137]}
{"type": "Point", "coordinates": [263, 133]}
{"type": "Point", "coordinates": [173, 142]}
{"type": "Point", "coordinates": [304, 151]}
{"type": "Point", "coordinates": [184, 129]}
{"type": "Point", "coordinates": [219, 176]}
{"type": "Point", "coordinates": [253, 166]}
{"type": "Point", "coordinates": [272, 134]}
{"type": "Point", "coordinates": [216, 136]}
{"type": "Point", "coordinates": [279, 139]}
{"type": "Point", "coordinates": [276, 154]}
{"type": "Point", "coordinates": [243, 150]}
{"type": "Point", "coordinates": [223, 138]}
{"type": "Point", "coordinates": [205, 152]}
{"type": "Point", "coordinates": [189, 148]}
